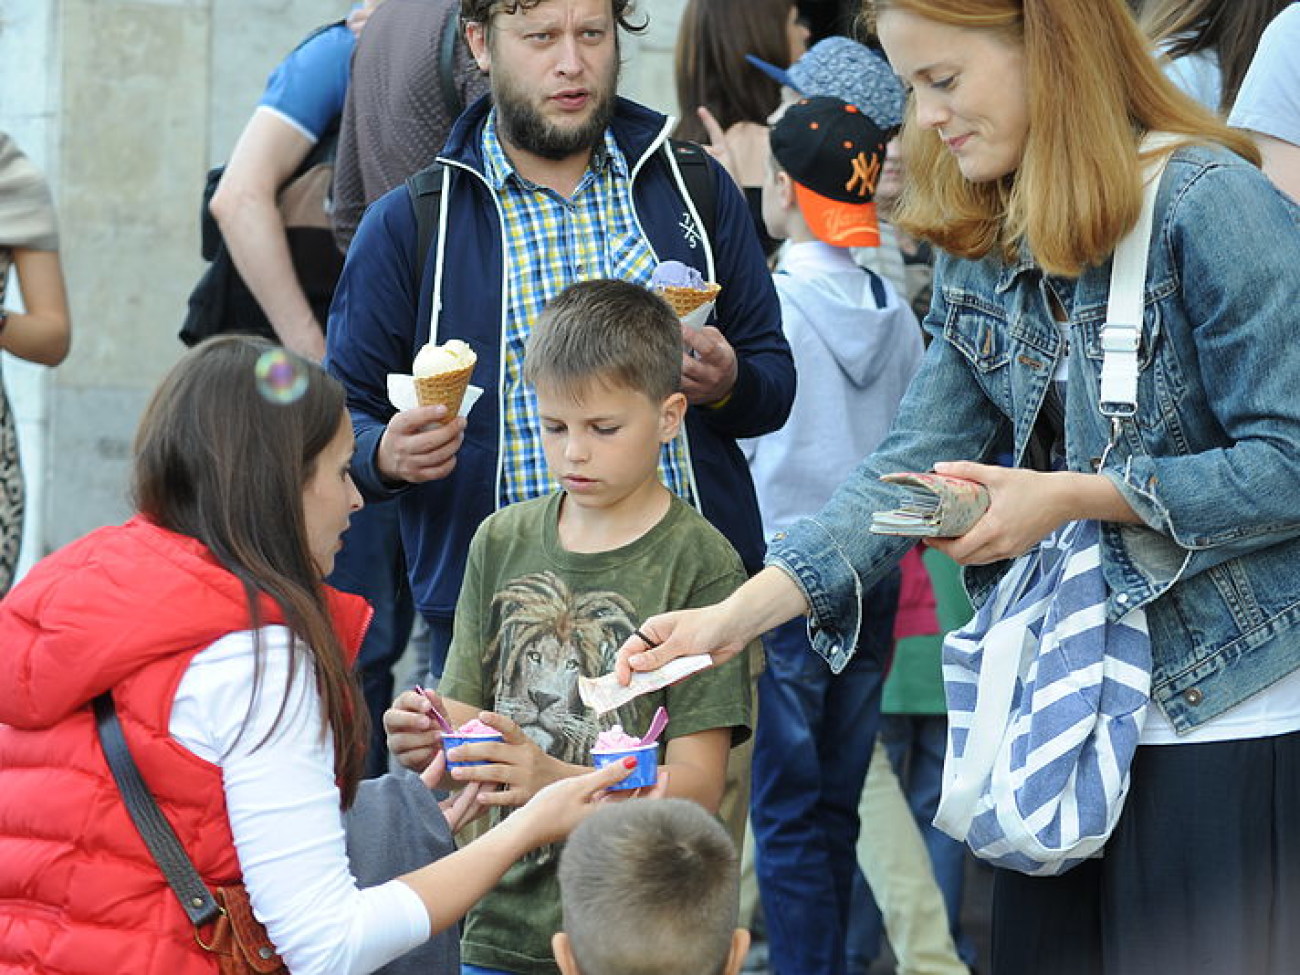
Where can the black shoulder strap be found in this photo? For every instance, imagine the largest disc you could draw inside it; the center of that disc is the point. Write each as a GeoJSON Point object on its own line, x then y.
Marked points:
{"type": "Point", "coordinates": [318, 31]}
{"type": "Point", "coordinates": [196, 900]}
{"type": "Point", "coordinates": [877, 288]}
{"type": "Point", "coordinates": [447, 65]}
{"type": "Point", "coordinates": [693, 162]}
{"type": "Point", "coordinates": [425, 190]}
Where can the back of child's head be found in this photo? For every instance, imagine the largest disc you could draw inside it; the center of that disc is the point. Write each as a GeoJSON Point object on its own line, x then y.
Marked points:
{"type": "Point", "coordinates": [650, 887]}
{"type": "Point", "coordinates": [833, 153]}
{"type": "Point", "coordinates": [606, 331]}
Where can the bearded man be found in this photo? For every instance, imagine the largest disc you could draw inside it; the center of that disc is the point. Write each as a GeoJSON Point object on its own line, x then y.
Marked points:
{"type": "Point", "coordinates": [550, 179]}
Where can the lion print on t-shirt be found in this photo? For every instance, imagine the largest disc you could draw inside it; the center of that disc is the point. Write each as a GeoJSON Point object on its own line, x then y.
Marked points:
{"type": "Point", "coordinates": [547, 636]}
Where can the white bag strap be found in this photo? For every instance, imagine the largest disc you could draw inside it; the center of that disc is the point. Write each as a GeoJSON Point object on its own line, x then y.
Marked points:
{"type": "Point", "coordinates": [986, 726]}
{"type": "Point", "coordinates": [1128, 274]}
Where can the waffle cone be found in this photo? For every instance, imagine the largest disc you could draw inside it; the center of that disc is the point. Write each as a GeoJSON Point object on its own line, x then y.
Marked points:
{"type": "Point", "coordinates": [447, 388]}
{"type": "Point", "coordinates": [686, 300]}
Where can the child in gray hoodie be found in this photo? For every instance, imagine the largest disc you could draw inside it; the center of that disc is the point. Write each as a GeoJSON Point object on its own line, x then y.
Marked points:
{"type": "Point", "coordinates": [856, 345]}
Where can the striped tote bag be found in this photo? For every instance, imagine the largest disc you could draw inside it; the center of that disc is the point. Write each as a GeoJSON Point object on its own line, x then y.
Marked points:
{"type": "Point", "coordinates": [1045, 707]}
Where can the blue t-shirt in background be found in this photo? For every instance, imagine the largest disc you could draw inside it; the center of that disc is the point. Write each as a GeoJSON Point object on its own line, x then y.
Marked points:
{"type": "Point", "coordinates": [307, 88]}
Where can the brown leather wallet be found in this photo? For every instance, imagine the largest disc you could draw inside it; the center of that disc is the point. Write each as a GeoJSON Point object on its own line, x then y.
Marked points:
{"type": "Point", "coordinates": [934, 506]}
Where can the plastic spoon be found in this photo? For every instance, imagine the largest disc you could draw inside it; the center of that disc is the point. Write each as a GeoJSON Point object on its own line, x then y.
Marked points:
{"type": "Point", "coordinates": [437, 715]}
{"type": "Point", "coordinates": [657, 725]}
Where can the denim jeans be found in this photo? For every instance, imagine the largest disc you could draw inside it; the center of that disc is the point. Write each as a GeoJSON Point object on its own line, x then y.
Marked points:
{"type": "Point", "coordinates": [916, 745]}
{"type": "Point", "coordinates": [812, 747]}
{"type": "Point", "coordinates": [371, 565]}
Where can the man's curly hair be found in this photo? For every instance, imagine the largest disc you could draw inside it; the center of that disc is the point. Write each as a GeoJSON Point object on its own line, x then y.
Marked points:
{"type": "Point", "coordinates": [482, 11]}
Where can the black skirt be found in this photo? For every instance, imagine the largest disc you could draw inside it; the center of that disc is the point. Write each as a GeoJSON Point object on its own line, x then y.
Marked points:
{"type": "Point", "coordinates": [1201, 877]}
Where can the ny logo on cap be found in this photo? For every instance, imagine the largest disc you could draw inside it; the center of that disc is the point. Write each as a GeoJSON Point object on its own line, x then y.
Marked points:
{"type": "Point", "coordinates": [866, 173]}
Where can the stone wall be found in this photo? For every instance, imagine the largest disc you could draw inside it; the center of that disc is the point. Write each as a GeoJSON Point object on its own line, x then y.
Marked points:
{"type": "Point", "coordinates": [125, 105]}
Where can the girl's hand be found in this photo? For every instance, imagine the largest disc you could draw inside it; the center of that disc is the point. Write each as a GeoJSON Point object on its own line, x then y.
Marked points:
{"type": "Point", "coordinates": [1025, 507]}
{"type": "Point", "coordinates": [717, 146]}
{"type": "Point", "coordinates": [657, 791]}
{"type": "Point", "coordinates": [553, 813]}
{"type": "Point", "coordinates": [518, 768]}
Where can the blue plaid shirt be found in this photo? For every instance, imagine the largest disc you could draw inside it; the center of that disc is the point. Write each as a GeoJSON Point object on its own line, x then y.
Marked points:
{"type": "Point", "coordinates": [551, 242]}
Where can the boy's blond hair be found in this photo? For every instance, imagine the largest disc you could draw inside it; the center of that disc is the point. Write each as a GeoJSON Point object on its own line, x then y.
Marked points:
{"type": "Point", "coordinates": [606, 331]}
{"type": "Point", "coordinates": [650, 887]}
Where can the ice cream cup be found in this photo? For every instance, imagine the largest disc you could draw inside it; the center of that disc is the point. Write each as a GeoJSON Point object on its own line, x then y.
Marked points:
{"type": "Point", "coordinates": [647, 765]}
{"type": "Point", "coordinates": [452, 740]}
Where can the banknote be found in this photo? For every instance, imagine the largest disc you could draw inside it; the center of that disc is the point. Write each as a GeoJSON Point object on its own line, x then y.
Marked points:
{"type": "Point", "coordinates": [605, 693]}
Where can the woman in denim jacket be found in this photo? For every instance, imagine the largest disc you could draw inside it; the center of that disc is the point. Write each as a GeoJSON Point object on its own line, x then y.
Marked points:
{"type": "Point", "coordinates": [1024, 123]}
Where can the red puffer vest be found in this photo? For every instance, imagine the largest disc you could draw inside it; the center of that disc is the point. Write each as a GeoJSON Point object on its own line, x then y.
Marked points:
{"type": "Point", "coordinates": [125, 608]}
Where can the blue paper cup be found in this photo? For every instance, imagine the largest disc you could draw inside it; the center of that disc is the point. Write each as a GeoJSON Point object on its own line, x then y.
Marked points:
{"type": "Point", "coordinates": [647, 765]}
{"type": "Point", "coordinates": [450, 741]}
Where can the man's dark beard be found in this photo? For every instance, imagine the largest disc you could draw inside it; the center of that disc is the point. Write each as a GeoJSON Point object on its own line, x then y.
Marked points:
{"type": "Point", "coordinates": [525, 128]}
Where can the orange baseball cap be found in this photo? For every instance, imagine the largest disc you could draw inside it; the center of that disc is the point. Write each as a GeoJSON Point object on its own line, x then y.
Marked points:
{"type": "Point", "coordinates": [834, 153]}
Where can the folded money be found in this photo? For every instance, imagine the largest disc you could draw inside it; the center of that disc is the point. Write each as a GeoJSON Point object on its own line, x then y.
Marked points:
{"type": "Point", "coordinates": [935, 506]}
{"type": "Point", "coordinates": [605, 693]}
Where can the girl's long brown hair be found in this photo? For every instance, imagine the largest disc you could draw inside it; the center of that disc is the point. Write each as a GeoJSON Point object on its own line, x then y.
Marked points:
{"type": "Point", "coordinates": [713, 37]}
{"type": "Point", "coordinates": [1229, 28]}
{"type": "Point", "coordinates": [220, 462]}
{"type": "Point", "coordinates": [1094, 89]}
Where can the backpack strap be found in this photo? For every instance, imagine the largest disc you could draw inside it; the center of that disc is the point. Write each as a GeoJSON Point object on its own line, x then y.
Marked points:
{"type": "Point", "coordinates": [693, 164]}
{"type": "Point", "coordinates": [425, 190]}
{"type": "Point", "coordinates": [877, 288]}
{"type": "Point", "coordinates": [447, 65]}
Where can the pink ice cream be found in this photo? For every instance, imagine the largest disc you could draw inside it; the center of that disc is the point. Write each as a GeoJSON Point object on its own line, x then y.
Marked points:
{"type": "Point", "coordinates": [474, 728]}
{"type": "Point", "coordinates": [472, 732]}
{"type": "Point", "coordinates": [615, 739]}
{"type": "Point", "coordinates": [675, 274]}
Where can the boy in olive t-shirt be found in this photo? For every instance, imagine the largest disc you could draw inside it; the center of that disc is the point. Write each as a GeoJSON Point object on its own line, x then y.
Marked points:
{"type": "Point", "coordinates": [554, 586]}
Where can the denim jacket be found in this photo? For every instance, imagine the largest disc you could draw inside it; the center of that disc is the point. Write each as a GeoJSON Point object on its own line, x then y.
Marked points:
{"type": "Point", "coordinates": [1211, 463]}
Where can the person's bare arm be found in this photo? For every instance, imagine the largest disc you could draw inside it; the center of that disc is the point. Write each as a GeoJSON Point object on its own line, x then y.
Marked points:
{"type": "Point", "coordinates": [268, 152]}
{"type": "Point", "coordinates": [697, 766]}
{"type": "Point", "coordinates": [43, 332]}
{"type": "Point", "coordinates": [1281, 163]}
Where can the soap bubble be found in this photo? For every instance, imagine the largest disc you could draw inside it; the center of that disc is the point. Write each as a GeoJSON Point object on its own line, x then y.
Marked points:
{"type": "Point", "coordinates": [281, 378]}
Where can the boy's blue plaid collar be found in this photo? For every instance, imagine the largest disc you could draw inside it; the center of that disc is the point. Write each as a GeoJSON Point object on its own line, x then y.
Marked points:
{"type": "Point", "coordinates": [498, 168]}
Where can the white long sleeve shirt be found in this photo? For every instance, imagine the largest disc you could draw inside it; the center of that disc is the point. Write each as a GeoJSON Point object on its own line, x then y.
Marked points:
{"type": "Point", "coordinates": [284, 811]}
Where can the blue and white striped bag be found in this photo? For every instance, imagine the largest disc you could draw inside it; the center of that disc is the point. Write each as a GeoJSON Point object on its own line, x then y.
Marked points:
{"type": "Point", "coordinates": [1045, 708]}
